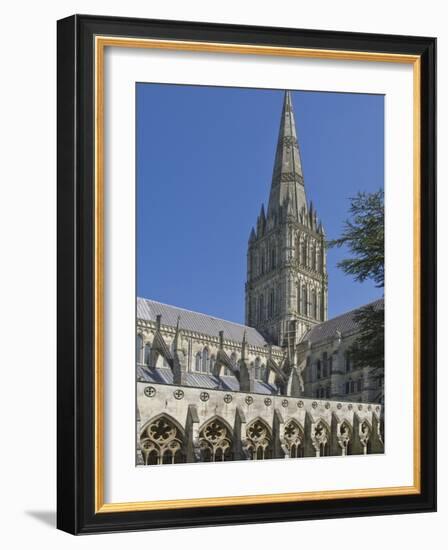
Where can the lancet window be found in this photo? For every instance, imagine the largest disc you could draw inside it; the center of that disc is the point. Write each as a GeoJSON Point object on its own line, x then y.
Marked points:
{"type": "Point", "coordinates": [205, 360]}
{"type": "Point", "coordinates": [139, 348]}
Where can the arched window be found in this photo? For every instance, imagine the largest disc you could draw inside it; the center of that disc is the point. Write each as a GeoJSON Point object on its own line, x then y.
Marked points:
{"type": "Point", "coordinates": [205, 360]}
{"type": "Point", "coordinates": [304, 260]}
{"type": "Point", "coordinates": [263, 262]}
{"type": "Point", "coordinates": [257, 368]}
{"type": "Point", "coordinates": [215, 441]}
{"type": "Point", "coordinates": [327, 392]}
{"type": "Point", "coordinates": [197, 362]}
{"type": "Point", "coordinates": [321, 439]}
{"type": "Point", "coordinates": [294, 439]}
{"type": "Point", "coordinates": [212, 363]}
{"type": "Point", "coordinates": [297, 251]}
{"type": "Point", "coordinates": [348, 362]}
{"type": "Point", "coordinates": [313, 258]}
{"type": "Point", "coordinates": [313, 311]}
{"type": "Point", "coordinates": [147, 354]}
{"type": "Point", "coordinates": [325, 364]}
{"type": "Point", "coordinates": [261, 308]}
{"type": "Point", "coordinates": [162, 442]}
{"type": "Point", "coordinates": [364, 436]}
{"type": "Point", "coordinates": [319, 260]}
{"type": "Point", "coordinates": [304, 301]}
{"type": "Point", "coordinates": [263, 373]}
{"type": "Point", "coordinates": [254, 309]}
{"type": "Point", "coordinates": [271, 306]}
{"type": "Point", "coordinates": [273, 257]}
{"type": "Point", "coordinates": [345, 438]}
{"type": "Point", "coordinates": [139, 349]}
{"type": "Point", "coordinates": [318, 369]}
{"type": "Point", "coordinates": [259, 440]}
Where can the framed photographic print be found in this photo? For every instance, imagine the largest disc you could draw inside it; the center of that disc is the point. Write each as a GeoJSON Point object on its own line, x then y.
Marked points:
{"type": "Point", "coordinates": [246, 274]}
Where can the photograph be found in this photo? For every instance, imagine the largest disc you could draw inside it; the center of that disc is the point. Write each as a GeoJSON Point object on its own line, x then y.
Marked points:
{"type": "Point", "coordinates": [246, 263]}
{"type": "Point", "coordinates": [259, 274]}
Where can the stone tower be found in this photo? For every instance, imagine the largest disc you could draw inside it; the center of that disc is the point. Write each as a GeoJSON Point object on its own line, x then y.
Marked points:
{"type": "Point", "coordinates": [286, 288]}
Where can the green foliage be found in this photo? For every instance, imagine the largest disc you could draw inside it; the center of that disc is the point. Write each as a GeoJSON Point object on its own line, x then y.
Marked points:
{"type": "Point", "coordinates": [368, 348]}
{"type": "Point", "coordinates": [363, 234]}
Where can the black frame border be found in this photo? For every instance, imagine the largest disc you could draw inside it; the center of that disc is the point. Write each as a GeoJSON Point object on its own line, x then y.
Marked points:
{"type": "Point", "coordinates": [76, 262]}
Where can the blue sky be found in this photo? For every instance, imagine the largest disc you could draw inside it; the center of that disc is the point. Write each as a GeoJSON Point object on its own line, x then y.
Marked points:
{"type": "Point", "coordinates": [204, 167]}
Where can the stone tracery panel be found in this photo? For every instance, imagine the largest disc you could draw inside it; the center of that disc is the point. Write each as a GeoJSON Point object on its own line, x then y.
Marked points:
{"type": "Point", "coordinates": [215, 441]}
{"type": "Point", "coordinates": [259, 440]}
{"type": "Point", "coordinates": [345, 437]}
{"type": "Point", "coordinates": [294, 439]}
{"type": "Point", "coordinates": [321, 439]}
{"type": "Point", "coordinates": [162, 442]}
{"type": "Point", "coordinates": [364, 435]}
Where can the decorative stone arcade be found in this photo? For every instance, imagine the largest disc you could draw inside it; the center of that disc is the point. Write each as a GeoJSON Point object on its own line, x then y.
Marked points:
{"type": "Point", "coordinates": [183, 424]}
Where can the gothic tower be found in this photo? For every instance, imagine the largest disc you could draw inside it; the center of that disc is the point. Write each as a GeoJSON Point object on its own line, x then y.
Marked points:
{"type": "Point", "coordinates": [286, 288]}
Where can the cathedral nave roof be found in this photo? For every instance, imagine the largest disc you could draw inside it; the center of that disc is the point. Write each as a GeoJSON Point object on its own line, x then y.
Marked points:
{"type": "Point", "coordinates": [193, 321]}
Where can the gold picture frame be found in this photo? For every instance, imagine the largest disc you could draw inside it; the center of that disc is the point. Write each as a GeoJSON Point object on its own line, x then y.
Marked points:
{"type": "Point", "coordinates": [102, 33]}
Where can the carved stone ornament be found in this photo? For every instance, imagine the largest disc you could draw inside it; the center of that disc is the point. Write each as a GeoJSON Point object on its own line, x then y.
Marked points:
{"type": "Point", "coordinates": [178, 394]}
{"type": "Point", "coordinates": [150, 391]}
{"type": "Point", "coordinates": [204, 396]}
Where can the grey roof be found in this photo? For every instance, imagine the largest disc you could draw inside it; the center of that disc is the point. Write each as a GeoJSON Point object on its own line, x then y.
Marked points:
{"type": "Point", "coordinates": [147, 310]}
{"type": "Point", "coordinates": [344, 323]}
{"type": "Point", "coordinates": [164, 375]}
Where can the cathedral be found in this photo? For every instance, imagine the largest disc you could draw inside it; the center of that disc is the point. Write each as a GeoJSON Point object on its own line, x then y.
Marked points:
{"type": "Point", "coordinates": [282, 385]}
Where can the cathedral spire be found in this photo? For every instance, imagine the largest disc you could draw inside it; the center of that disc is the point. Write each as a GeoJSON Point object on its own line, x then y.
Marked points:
{"type": "Point", "coordinates": [287, 178]}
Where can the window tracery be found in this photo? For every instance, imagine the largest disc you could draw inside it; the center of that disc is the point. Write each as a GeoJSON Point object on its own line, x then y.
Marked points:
{"type": "Point", "coordinates": [139, 348]}
{"type": "Point", "coordinates": [294, 439]}
{"type": "Point", "coordinates": [215, 441]}
{"type": "Point", "coordinates": [364, 435]}
{"type": "Point", "coordinates": [257, 368]}
{"type": "Point", "coordinates": [321, 439]}
{"type": "Point", "coordinates": [147, 354]}
{"type": "Point", "coordinates": [197, 363]}
{"type": "Point", "coordinates": [205, 360]}
{"type": "Point", "coordinates": [345, 438]}
{"type": "Point", "coordinates": [259, 440]}
{"type": "Point", "coordinates": [162, 442]}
